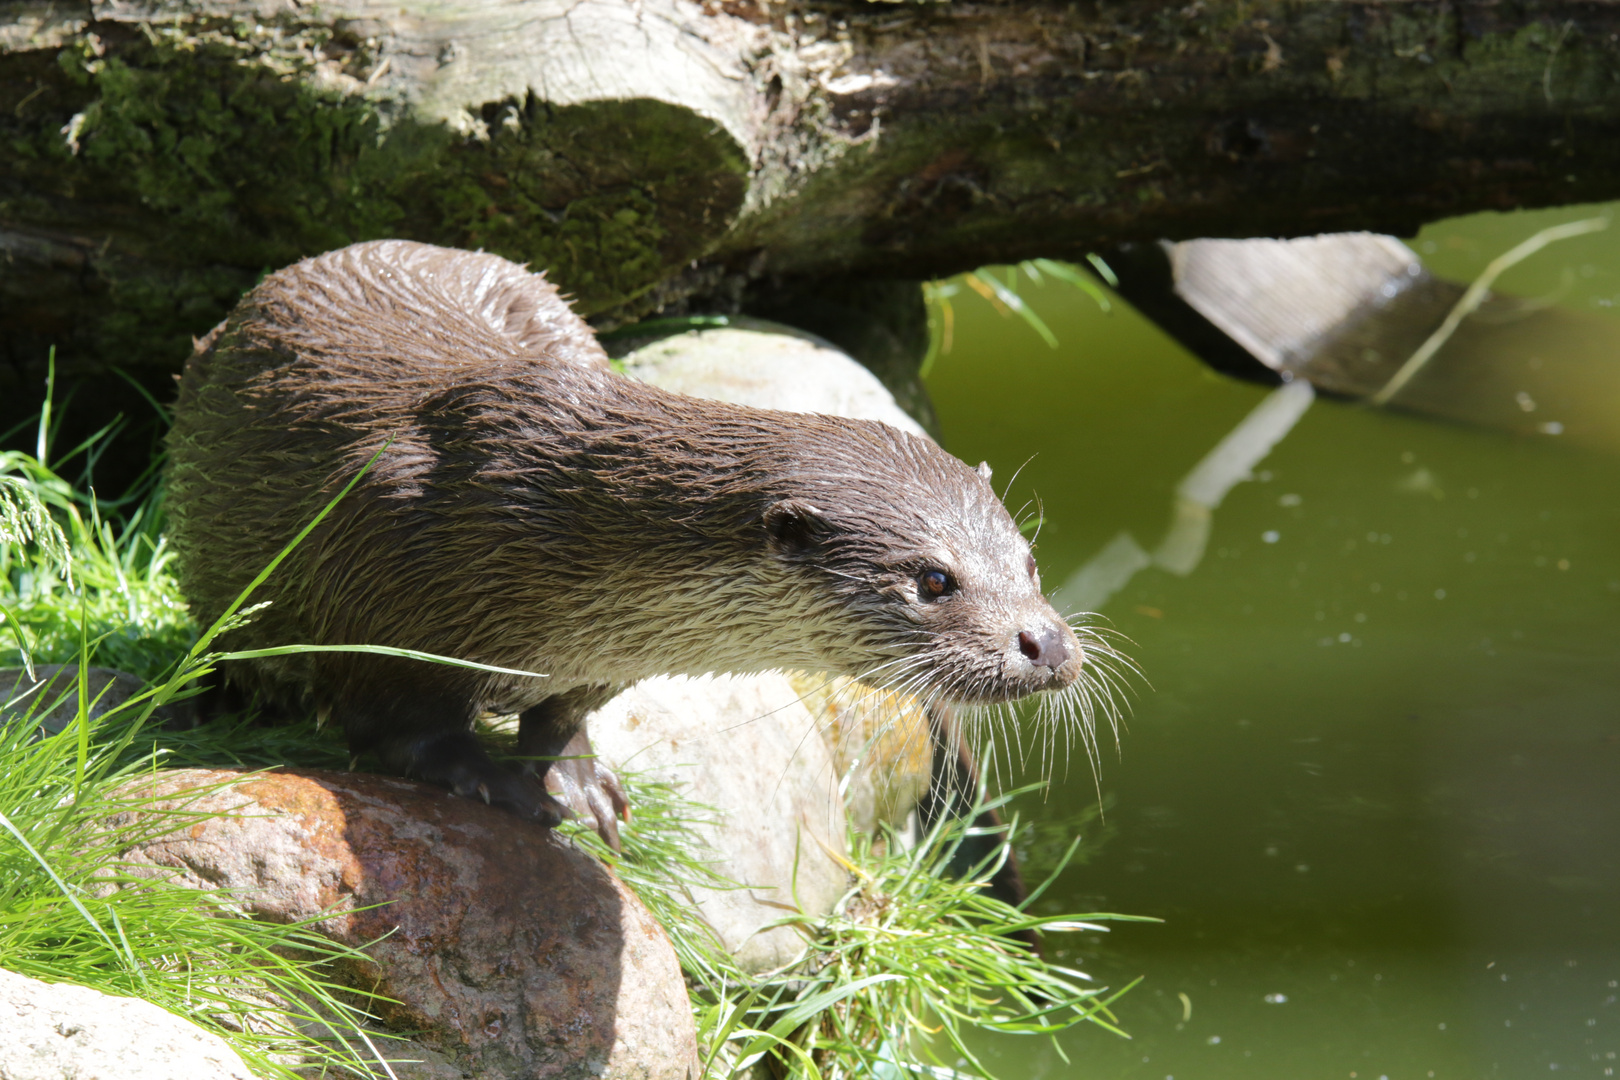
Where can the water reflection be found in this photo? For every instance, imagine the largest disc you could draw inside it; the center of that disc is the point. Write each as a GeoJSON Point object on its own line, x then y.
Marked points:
{"type": "Point", "coordinates": [1375, 789]}
{"type": "Point", "coordinates": [1198, 496]}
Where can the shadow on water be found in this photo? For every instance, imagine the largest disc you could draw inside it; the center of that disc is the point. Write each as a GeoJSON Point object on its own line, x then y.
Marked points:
{"type": "Point", "coordinates": [1374, 789]}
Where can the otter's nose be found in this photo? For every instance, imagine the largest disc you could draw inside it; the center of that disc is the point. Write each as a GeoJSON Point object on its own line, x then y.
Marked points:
{"type": "Point", "coordinates": [1045, 649]}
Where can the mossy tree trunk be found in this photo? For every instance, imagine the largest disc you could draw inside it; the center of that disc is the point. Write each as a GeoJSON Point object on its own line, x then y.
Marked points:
{"type": "Point", "coordinates": [159, 155]}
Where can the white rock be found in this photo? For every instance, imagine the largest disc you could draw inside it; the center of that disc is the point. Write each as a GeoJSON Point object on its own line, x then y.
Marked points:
{"type": "Point", "coordinates": [54, 1031]}
{"type": "Point", "coordinates": [748, 745]}
{"type": "Point", "coordinates": [879, 743]}
{"type": "Point", "coordinates": [749, 748]}
{"type": "Point", "coordinates": [768, 366]}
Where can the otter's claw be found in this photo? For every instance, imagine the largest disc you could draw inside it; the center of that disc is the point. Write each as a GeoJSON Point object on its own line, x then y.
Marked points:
{"type": "Point", "coordinates": [461, 765]}
{"type": "Point", "coordinates": [588, 787]}
{"type": "Point", "coordinates": [522, 795]}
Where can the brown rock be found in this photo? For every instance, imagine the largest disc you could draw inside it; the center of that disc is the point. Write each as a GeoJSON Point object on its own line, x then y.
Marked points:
{"type": "Point", "coordinates": [505, 947]}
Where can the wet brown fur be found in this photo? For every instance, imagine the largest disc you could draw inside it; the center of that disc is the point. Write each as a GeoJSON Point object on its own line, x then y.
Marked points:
{"type": "Point", "coordinates": [532, 509]}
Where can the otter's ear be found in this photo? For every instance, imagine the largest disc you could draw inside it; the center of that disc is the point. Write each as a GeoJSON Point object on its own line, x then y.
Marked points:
{"type": "Point", "coordinates": [795, 526]}
{"type": "Point", "coordinates": [984, 471]}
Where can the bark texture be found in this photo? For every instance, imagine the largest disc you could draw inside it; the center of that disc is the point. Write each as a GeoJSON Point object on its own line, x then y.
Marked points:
{"type": "Point", "coordinates": [992, 132]}
{"type": "Point", "coordinates": [160, 155]}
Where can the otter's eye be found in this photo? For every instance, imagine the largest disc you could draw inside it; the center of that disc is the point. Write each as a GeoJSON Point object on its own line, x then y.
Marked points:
{"type": "Point", "coordinates": [935, 583]}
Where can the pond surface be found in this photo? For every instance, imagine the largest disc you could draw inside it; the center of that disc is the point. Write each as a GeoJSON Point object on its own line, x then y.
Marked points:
{"type": "Point", "coordinates": [1374, 787]}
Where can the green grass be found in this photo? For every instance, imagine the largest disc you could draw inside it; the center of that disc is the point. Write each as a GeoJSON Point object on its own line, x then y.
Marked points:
{"type": "Point", "coordinates": [64, 568]}
{"type": "Point", "coordinates": [1001, 289]}
{"type": "Point", "coordinates": [910, 962]}
{"type": "Point", "coordinates": [70, 910]}
{"type": "Point", "coordinates": [891, 983]}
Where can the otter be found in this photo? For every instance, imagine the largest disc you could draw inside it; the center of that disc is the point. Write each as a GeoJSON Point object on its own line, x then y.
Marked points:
{"type": "Point", "coordinates": [519, 504]}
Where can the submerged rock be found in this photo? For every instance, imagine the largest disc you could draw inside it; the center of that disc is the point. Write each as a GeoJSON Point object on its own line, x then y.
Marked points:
{"type": "Point", "coordinates": [54, 1031]}
{"type": "Point", "coordinates": [504, 948]}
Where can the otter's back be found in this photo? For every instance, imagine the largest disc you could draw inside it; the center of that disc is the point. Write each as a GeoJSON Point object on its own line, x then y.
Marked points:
{"type": "Point", "coordinates": [319, 367]}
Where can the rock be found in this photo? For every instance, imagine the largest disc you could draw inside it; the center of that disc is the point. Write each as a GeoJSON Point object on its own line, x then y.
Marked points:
{"type": "Point", "coordinates": [883, 323]}
{"type": "Point", "coordinates": [58, 684]}
{"type": "Point", "coordinates": [747, 747]}
{"type": "Point", "coordinates": [768, 366]}
{"type": "Point", "coordinates": [879, 742]}
{"type": "Point", "coordinates": [54, 1031]}
{"type": "Point", "coordinates": [506, 949]}
{"type": "Point", "coordinates": [744, 745]}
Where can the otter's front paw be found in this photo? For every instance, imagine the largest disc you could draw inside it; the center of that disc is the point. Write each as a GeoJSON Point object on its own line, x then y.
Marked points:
{"type": "Point", "coordinates": [522, 795]}
{"type": "Point", "coordinates": [457, 761]}
{"type": "Point", "coordinates": [584, 784]}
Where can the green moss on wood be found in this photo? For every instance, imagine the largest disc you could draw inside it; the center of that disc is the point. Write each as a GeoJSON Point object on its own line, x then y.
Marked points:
{"type": "Point", "coordinates": [209, 154]}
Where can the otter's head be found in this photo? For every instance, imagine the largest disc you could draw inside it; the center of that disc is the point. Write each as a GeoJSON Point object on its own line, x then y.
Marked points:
{"type": "Point", "coordinates": [943, 587]}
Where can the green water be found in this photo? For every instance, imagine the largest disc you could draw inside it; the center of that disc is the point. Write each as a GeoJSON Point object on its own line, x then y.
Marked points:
{"type": "Point", "coordinates": [1374, 787]}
